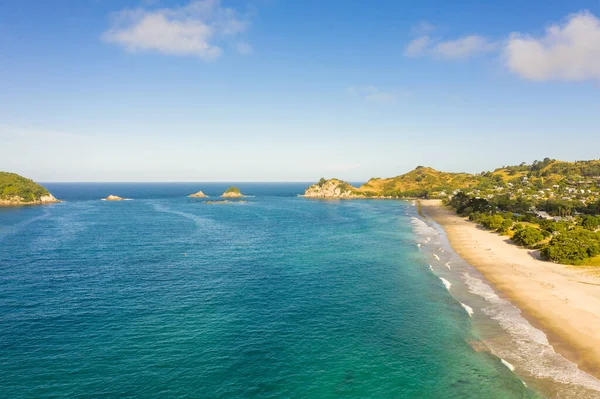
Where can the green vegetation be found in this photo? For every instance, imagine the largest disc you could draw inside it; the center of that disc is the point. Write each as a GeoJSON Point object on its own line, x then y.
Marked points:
{"type": "Point", "coordinates": [12, 185]}
{"type": "Point", "coordinates": [423, 182]}
{"type": "Point", "coordinates": [574, 247]}
{"type": "Point", "coordinates": [573, 240]}
{"type": "Point", "coordinates": [528, 237]}
{"type": "Point", "coordinates": [233, 190]}
{"type": "Point", "coordinates": [548, 205]}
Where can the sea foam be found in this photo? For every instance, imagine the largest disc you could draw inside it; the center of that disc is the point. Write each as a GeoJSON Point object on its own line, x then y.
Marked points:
{"type": "Point", "coordinates": [447, 283]}
{"type": "Point", "coordinates": [468, 309]}
{"type": "Point", "coordinates": [529, 347]}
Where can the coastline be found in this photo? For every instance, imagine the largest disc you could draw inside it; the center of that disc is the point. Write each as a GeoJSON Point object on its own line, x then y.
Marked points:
{"type": "Point", "coordinates": [559, 300]}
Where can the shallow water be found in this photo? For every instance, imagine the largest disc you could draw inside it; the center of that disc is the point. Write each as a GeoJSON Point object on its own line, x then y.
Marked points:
{"type": "Point", "coordinates": [166, 296]}
{"type": "Point", "coordinates": [498, 326]}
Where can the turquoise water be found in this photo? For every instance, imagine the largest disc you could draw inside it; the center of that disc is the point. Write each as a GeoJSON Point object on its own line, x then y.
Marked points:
{"type": "Point", "coordinates": [279, 297]}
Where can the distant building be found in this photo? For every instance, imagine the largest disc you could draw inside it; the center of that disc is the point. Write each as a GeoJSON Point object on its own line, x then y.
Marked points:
{"type": "Point", "coordinates": [543, 215]}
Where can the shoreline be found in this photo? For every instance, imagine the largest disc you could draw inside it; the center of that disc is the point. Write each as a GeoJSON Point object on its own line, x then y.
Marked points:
{"type": "Point", "coordinates": [559, 300]}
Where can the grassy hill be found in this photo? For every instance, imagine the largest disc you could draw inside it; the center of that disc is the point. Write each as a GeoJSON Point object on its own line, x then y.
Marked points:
{"type": "Point", "coordinates": [418, 182]}
{"type": "Point", "coordinates": [12, 186]}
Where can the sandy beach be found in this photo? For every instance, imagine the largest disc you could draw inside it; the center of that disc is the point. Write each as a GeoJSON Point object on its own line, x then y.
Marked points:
{"type": "Point", "coordinates": [562, 301]}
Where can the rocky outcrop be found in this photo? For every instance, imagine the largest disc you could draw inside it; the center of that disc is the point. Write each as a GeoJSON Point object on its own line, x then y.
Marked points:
{"type": "Point", "coordinates": [199, 194]}
{"type": "Point", "coordinates": [332, 188]}
{"type": "Point", "coordinates": [16, 200]}
{"type": "Point", "coordinates": [113, 198]}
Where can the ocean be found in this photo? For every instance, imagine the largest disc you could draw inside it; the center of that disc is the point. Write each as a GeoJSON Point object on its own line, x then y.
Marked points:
{"type": "Point", "coordinates": [277, 296]}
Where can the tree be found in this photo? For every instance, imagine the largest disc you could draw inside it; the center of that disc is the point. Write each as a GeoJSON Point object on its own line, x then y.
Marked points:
{"type": "Point", "coordinates": [573, 247]}
{"type": "Point", "coordinates": [528, 237]}
{"type": "Point", "coordinates": [493, 222]}
{"type": "Point", "coordinates": [590, 222]}
{"type": "Point", "coordinates": [506, 226]}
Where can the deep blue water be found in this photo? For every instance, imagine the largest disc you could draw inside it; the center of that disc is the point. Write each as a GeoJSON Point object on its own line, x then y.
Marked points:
{"type": "Point", "coordinates": [279, 297]}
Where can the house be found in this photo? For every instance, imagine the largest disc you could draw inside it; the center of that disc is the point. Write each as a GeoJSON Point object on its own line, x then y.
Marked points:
{"type": "Point", "coordinates": [543, 215]}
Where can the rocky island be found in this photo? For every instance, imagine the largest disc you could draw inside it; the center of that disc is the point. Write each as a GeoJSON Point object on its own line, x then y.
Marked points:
{"type": "Point", "coordinates": [332, 188]}
{"type": "Point", "coordinates": [232, 192]}
{"type": "Point", "coordinates": [199, 194]}
{"type": "Point", "coordinates": [113, 198]}
{"type": "Point", "coordinates": [17, 190]}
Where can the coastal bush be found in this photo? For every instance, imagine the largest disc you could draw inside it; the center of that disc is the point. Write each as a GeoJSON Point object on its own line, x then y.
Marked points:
{"type": "Point", "coordinates": [518, 226]}
{"type": "Point", "coordinates": [573, 247]}
{"type": "Point", "coordinates": [493, 222]}
{"type": "Point", "coordinates": [552, 226]}
{"type": "Point", "coordinates": [463, 203]}
{"type": "Point", "coordinates": [506, 226]}
{"type": "Point", "coordinates": [528, 237]}
{"type": "Point", "coordinates": [590, 222]}
{"type": "Point", "coordinates": [475, 216]}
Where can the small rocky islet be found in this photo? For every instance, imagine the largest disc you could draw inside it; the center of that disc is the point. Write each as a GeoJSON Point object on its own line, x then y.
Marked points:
{"type": "Point", "coordinates": [199, 194]}
{"type": "Point", "coordinates": [232, 192]}
{"type": "Point", "coordinates": [113, 198]}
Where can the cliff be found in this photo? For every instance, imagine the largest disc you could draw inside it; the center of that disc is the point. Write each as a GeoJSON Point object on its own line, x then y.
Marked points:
{"type": "Point", "coordinates": [17, 190]}
{"type": "Point", "coordinates": [332, 188]}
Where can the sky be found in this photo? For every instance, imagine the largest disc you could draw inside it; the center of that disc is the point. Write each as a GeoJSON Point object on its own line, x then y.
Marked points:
{"type": "Point", "coordinates": [282, 90]}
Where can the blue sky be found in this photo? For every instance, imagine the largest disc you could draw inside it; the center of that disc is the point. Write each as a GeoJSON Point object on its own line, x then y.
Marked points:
{"type": "Point", "coordinates": [274, 90]}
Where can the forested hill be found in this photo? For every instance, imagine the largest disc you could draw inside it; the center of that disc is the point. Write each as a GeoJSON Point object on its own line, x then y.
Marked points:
{"type": "Point", "coordinates": [16, 189]}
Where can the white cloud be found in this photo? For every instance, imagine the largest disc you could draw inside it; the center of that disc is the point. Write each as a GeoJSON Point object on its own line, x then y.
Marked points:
{"type": "Point", "coordinates": [461, 48]}
{"type": "Point", "coordinates": [418, 46]}
{"type": "Point", "coordinates": [570, 51]}
{"type": "Point", "coordinates": [372, 94]}
{"type": "Point", "coordinates": [199, 28]}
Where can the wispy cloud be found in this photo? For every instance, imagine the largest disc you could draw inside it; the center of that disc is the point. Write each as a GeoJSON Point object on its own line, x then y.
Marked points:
{"type": "Point", "coordinates": [568, 51]}
{"type": "Point", "coordinates": [461, 48]}
{"type": "Point", "coordinates": [372, 94]}
{"type": "Point", "coordinates": [464, 47]}
{"type": "Point", "coordinates": [199, 28]}
{"type": "Point", "coordinates": [418, 47]}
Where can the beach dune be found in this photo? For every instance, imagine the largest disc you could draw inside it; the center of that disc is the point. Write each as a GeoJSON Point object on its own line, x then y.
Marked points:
{"type": "Point", "coordinates": [563, 301]}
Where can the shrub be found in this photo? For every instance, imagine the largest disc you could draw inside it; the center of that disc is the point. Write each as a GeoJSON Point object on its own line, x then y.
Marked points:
{"type": "Point", "coordinates": [518, 226]}
{"type": "Point", "coordinates": [506, 225]}
{"type": "Point", "coordinates": [573, 247]}
{"type": "Point", "coordinates": [493, 222]}
{"type": "Point", "coordinates": [528, 237]}
{"type": "Point", "coordinates": [590, 222]}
